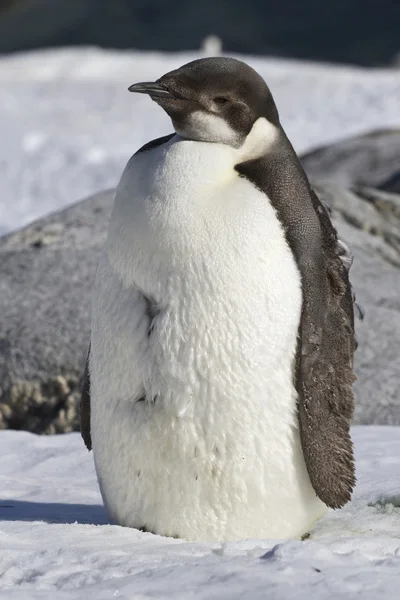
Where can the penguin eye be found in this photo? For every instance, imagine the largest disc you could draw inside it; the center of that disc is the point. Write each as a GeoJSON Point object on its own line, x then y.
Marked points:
{"type": "Point", "coordinates": [220, 100]}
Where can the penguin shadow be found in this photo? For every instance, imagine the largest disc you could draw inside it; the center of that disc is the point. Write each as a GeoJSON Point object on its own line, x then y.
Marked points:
{"type": "Point", "coordinates": [52, 512]}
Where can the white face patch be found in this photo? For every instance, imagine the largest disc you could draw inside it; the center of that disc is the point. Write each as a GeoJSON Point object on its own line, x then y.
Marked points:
{"type": "Point", "coordinates": [207, 127]}
{"type": "Point", "coordinates": [259, 141]}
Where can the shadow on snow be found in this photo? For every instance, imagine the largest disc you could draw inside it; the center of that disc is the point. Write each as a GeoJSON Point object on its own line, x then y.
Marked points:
{"type": "Point", "coordinates": [84, 514]}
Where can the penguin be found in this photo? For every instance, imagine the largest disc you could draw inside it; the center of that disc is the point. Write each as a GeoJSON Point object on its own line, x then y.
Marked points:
{"type": "Point", "coordinates": [217, 394]}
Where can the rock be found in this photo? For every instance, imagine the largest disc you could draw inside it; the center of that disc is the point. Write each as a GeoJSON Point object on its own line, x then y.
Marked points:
{"type": "Point", "coordinates": [392, 184]}
{"type": "Point", "coordinates": [369, 210]}
{"type": "Point", "coordinates": [355, 177]}
{"type": "Point", "coordinates": [373, 235]}
{"type": "Point", "coordinates": [371, 160]}
{"type": "Point", "coordinates": [367, 37]}
{"type": "Point", "coordinates": [47, 272]}
{"type": "Point", "coordinates": [46, 276]}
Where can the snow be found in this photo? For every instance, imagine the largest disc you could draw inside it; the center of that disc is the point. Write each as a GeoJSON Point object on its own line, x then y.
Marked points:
{"type": "Point", "coordinates": [55, 541]}
{"type": "Point", "coordinates": [68, 124]}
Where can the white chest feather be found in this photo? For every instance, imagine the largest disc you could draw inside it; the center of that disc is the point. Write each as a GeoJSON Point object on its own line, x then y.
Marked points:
{"type": "Point", "coordinates": [213, 452]}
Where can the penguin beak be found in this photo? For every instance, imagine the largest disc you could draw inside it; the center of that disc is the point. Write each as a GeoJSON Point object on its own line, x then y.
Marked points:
{"type": "Point", "coordinates": [156, 90]}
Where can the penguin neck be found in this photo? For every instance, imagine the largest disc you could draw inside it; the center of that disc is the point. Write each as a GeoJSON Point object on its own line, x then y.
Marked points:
{"type": "Point", "coordinates": [275, 165]}
{"type": "Point", "coordinates": [260, 141]}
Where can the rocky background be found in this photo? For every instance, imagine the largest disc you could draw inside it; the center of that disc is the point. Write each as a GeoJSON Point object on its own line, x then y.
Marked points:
{"type": "Point", "coordinates": [47, 271]}
{"type": "Point", "coordinates": [364, 32]}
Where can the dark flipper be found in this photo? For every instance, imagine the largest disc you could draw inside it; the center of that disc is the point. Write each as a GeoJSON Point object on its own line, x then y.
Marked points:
{"type": "Point", "coordinates": [325, 377]}
{"type": "Point", "coordinates": [155, 143]}
{"type": "Point", "coordinates": [324, 364]}
{"type": "Point", "coordinates": [85, 398]}
{"type": "Point", "coordinates": [85, 407]}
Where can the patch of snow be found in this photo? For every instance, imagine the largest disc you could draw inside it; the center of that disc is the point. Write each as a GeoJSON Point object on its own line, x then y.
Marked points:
{"type": "Point", "coordinates": [68, 124]}
{"type": "Point", "coordinates": [55, 540]}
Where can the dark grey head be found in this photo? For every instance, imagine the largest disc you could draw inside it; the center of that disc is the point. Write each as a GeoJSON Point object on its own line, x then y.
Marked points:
{"type": "Point", "coordinates": [213, 99]}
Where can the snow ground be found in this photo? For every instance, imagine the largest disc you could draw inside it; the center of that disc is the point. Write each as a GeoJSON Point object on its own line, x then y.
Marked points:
{"type": "Point", "coordinates": [55, 541]}
{"type": "Point", "coordinates": [68, 124]}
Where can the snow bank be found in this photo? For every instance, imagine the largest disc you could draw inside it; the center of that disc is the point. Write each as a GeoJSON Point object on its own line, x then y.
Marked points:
{"type": "Point", "coordinates": [55, 541]}
{"type": "Point", "coordinates": [68, 124]}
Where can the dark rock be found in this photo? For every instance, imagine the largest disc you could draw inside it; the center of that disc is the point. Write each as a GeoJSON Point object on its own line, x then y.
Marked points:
{"type": "Point", "coordinates": [393, 183]}
{"type": "Point", "coordinates": [371, 160]}
{"type": "Point", "coordinates": [46, 277]}
{"type": "Point", "coordinates": [341, 31]}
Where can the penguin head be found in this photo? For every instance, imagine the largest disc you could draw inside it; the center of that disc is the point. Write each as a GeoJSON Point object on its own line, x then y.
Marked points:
{"type": "Point", "coordinates": [213, 100]}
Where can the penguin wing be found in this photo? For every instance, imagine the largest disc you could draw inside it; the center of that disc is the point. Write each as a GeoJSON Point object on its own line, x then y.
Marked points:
{"type": "Point", "coordinates": [85, 396]}
{"type": "Point", "coordinates": [85, 406]}
{"type": "Point", "coordinates": [326, 342]}
{"type": "Point", "coordinates": [324, 366]}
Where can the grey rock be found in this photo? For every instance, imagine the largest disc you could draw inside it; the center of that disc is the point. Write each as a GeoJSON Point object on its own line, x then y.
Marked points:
{"type": "Point", "coordinates": [371, 160]}
{"type": "Point", "coordinates": [369, 210]}
{"type": "Point", "coordinates": [46, 277]}
{"type": "Point", "coordinates": [358, 178]}
{"type": "Point", "coordinates": [375, 276]}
